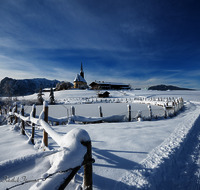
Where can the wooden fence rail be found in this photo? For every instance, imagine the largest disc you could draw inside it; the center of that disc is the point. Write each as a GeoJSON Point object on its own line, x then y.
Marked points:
{"type": "Point", "coordinates": [48, 130]}
{"type": "Point", "coordinates": [170, 107]}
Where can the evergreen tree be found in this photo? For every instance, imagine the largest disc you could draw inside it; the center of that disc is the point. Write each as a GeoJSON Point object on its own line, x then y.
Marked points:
{"type": "Point", "coordinates": [39, 97]}
{"type": "Point", "coordinates": [52, 99]}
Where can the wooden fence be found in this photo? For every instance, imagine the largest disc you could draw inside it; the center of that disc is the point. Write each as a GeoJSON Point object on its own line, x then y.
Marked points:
{"type": "Point", "coordinates": [167, 107]}
{"type": "Point", "coordinates": [170, 107]}
{"type": "Point", "coordinates": [48, 130]}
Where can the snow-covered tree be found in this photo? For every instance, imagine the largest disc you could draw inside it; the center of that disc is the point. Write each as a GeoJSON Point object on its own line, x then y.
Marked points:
{"type": "Point", "coordinates": [39, 97]}
{"type": "Point", "coordinates": [52, 99]}
{"type": "Point", "coordinates": [63, 86]}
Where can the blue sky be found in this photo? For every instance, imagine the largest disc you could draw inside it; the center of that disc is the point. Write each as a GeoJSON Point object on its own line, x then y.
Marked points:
{"type": "Point", "coordinates": [140, 42]}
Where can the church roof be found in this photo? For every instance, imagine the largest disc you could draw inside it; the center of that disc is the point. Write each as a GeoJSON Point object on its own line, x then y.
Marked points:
{"type": "Point", "coordinates": [79, 78]}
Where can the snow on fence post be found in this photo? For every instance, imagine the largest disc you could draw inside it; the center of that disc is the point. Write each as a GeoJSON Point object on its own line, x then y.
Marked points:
{"type": "Point", "coordinates": [23, 126]}
{"type": "Point", "coordinates": [139, 115]}
{"type": "Point", "coordinates": [178, 104]}
{"type": "Point", "coordinates": [33, 124]}
{"type": "Point", "coordinates": [181, 102]}
{"type": "Point", "coordinates": [129, 112]}
{"type": "Point", "coordinates": [45, 134]}
{"type": "Point", "coordinates": [87, 178]}
{"type": "Point", "coordinates": [150, 111]}
{"type": "Point", "coordinates": [100, 111]}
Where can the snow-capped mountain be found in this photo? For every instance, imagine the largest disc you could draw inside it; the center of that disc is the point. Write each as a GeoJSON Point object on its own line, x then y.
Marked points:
{"type": "Point", "coordinates": [14, 87]}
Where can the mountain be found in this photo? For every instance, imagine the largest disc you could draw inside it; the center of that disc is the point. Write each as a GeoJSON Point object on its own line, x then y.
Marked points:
{"type": "Point", "coordinates": [167, 87]}
{"type": "Point", "coordinates": [13, 87]}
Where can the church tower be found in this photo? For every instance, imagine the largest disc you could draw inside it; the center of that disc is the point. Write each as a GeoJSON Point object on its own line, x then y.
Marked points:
{"type": "Point", "coordinates": [82, 72]}
{"type": "Point", "coordinates": [79, 81]}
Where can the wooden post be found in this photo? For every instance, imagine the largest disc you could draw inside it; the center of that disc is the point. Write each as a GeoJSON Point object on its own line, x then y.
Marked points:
{"type": "Point", "coordinates": [0, 111]}
{"type": "Point", "coordinates": [33, 124]}
{"type": "Point", "coordinates": [23, 126]}
{"type": "Point", "coordinates": [16, 112]}
{"type": "Point", "coordinates": [129, 112]}
{"type": "Point", "coordinates": [165, 110]}
{"type": "Point", "coordinates": [88, 166]}
{"type": "Point", "coordinates": [11, 117]}
{"type": "Point", "coordinates": [73, 110]}
{"type": "Point", "coordinates": [87, 179]}
{"type": "Point", "coordinates": [173, 104]}
{"type": "Point", "coordinates": [45, 134]}
{"type": "Point", "coordinates": [178, 105]}
{"type": "Point", "coordinates": [100, 111]}
{"type": "Point", "coordinates": [150, 111]}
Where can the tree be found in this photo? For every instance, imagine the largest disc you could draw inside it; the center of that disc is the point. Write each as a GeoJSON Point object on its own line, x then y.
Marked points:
{"type": "Point", "coordinates": [39, 97]}
{"type": "Point", "coordinates": [52, 99]}
{"type": "Point", "coordinates": [63, 86]}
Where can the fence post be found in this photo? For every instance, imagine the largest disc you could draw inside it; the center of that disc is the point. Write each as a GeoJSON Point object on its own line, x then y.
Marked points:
{"type": "Point", "coordinates": [45, 134]}
{"type": "Point", "coordinates": [0, 111]}
{"type": "Point", "coordinates": [129, 112]}
{"type": "Point", "coordinates": [33, 124]}
{"type": "Point", "coordinates": [10, 110]}
{"type": "Point", "coordinates": [23, 126]}
{"type": "Point", "coordinates": [16, 112]}
{"type": "Point", "coordinates": [178, 104]}
{"type": "Point", "coordinates": [165, 110]}
{"type": "Point", "coordinates": [73, 110]}
{"type": "Point", "coordinates": [100, 111]}
{"type": "Point", "coordinates": [173, 104]}
{"type": "Point", "coordinates": [87, 179]}
{"type": "Point", "coordinates": [88, 166]}
{"type": "Point", "coordinates": [181, 101]}
{"type": "Point", "coordinates": [150, 111]}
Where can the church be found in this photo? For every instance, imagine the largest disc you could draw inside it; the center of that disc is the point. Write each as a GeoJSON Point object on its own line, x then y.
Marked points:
{"type": "Point", "coordinates": [79, 81]}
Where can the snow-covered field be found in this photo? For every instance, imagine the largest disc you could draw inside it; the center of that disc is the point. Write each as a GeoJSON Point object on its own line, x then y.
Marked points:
{"type": "Point", "coordinates": [158, 154]}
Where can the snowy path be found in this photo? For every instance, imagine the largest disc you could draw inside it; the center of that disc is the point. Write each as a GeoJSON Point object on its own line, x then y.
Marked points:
{"type": "Point", "coordinates": [175, 163]}
{"type": "Point", "coordinates": [184, 173]}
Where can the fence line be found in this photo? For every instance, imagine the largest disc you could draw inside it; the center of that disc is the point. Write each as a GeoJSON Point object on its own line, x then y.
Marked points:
{"type": "Point", "coordinates": [81, 135]}
{"type": "Point", "coordinates": [168, 108]}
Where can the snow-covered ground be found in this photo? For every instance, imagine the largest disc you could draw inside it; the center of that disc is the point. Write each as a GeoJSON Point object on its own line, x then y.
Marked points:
{"type": "Point", "coordinates": [158, 154]}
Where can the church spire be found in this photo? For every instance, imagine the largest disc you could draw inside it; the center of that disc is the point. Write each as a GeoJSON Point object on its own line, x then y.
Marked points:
{"type": "Point", "coordinates": [82, 72]}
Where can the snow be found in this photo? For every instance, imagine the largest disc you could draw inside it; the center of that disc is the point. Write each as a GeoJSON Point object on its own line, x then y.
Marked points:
{"type": "Point", "coordinates": [79, 78]}
{"type": "Point", "coordinates": [157, 154]}
{"type": "Point", "coordinates": [71, 157]}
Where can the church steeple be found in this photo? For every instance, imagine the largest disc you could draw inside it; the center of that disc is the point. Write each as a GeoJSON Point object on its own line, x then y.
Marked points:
{"type": "Point", "coordinates": [82, 72]}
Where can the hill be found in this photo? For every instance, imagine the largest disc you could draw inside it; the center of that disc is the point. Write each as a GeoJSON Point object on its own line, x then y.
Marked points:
{"type": "Point", "coordinates": [14, 87]}
{"type": "Point", "coordinates": [167, 87]}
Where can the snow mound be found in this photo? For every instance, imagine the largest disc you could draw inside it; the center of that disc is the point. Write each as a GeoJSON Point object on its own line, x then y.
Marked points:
{"type": "Point", "coordinates": [71, 156]}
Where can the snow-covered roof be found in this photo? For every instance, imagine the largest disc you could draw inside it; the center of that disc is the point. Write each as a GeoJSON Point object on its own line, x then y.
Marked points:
{"type": "Point", "coordinates": [79, 78]}
{"type": "Point", "coordinates": [110, 83]}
